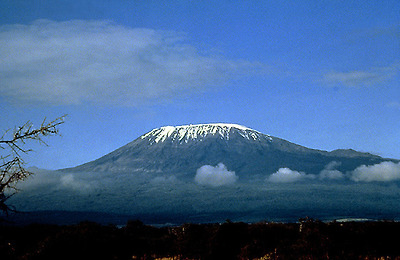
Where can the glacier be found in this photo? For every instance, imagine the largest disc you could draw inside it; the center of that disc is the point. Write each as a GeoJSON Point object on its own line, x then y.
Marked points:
{"type": "Point", "coordinates": [184, 133]}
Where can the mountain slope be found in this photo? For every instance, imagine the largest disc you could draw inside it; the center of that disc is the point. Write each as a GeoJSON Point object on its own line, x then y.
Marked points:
{"type": "Point", "coordinates": [183, 149]}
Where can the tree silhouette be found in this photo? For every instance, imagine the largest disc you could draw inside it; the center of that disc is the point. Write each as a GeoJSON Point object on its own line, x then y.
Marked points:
{"type": "Point", "coordinates": [12, 147]}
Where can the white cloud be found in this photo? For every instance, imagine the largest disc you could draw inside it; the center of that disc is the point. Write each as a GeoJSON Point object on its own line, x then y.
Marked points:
{"type": "Point", "coordinates": [285, 175]}
{"type": "Point", "coordinates": [384, 171]}
{"type": "Point", "coordinates": [101, 62]}
{"type": "Point", "coordinates": [215, 176]}
{"type": "Point", "coordinates": [330, 172]}
{"type": "Point", "coordinates": [69, 181]}
{"type": "Point", "coordinates": [361, 78]}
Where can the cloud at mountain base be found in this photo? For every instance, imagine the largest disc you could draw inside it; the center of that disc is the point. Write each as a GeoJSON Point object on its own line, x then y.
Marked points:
{"type": "Point", "coordinates": [50, 180]}
{"type": "Point", "coordinates": [286, 175]}
{"type": "Point", "coordinates": [330, 172]}
{"type": "Point", "coordinates": [75, 62]}
{"type": "Point", "coordinates": [384, 171]}
{"type": "Point", "coordinates": [215, 176]}
{"type": "Point", "coordinates": [69, 181]}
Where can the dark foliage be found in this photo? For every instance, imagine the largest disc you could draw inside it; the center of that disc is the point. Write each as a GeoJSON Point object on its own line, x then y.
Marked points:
{"type": "Point", "coordinates": [308, 239]}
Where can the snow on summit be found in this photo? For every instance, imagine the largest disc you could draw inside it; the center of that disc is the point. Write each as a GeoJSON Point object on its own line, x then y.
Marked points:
{"type": "Point", "coordinates": [191, 132]}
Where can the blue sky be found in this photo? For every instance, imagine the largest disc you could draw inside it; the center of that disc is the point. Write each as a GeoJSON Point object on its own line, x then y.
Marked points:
{"type": "Point", "coordinates": [322, 74]}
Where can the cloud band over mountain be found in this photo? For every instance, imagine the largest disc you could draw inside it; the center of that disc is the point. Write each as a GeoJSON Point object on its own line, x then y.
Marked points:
{"type": "Point", "coordinates": [101, 62]}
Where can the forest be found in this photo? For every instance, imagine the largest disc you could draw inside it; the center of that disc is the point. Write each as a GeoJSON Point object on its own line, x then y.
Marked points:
{"type": "Point", "coordinates": [305, 239]}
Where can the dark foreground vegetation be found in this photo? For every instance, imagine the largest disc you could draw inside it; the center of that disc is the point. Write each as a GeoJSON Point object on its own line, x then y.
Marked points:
{"type": "Point", "coordinates": [308, 239]}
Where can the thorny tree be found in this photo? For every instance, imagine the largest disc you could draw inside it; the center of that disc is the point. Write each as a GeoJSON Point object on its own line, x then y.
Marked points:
{"type": "Point", "coordinates": [12, 146]}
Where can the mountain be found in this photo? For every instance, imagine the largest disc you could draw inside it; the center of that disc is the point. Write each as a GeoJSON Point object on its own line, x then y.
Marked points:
{"type": "Point", "coordinates": [174, 174]}
{"type": "Point", "coordinates": [181, 150]}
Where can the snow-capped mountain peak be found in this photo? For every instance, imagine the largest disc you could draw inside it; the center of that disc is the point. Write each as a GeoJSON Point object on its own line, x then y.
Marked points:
{"type": "Point", "coordinates": [185, 133]}
{"type": "Point", "coordinates": [184, 149]}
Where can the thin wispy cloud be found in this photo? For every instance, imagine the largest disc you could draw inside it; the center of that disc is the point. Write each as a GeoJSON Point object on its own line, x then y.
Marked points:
{"type": "Point", "coordinates": [164, 180]}
{"type": "Point", "coordinates": [50, 181]}
{"type": "Point", "coordinates": [330, 172]}
{"type": "Point", "coordinates": [100, 62]}
{"type": "Point", "coordinates": [69, 181]}
{"type": "Point", "coordinates": [388, 32]}
{"type": "Point", "coordinates": [394, 104]}
{"type": "Point", "coordinates": [361, 78]}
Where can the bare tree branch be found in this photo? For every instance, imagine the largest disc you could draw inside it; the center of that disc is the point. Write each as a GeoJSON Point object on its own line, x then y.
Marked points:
{"type": "Point", "coordinates": [11, 164]}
